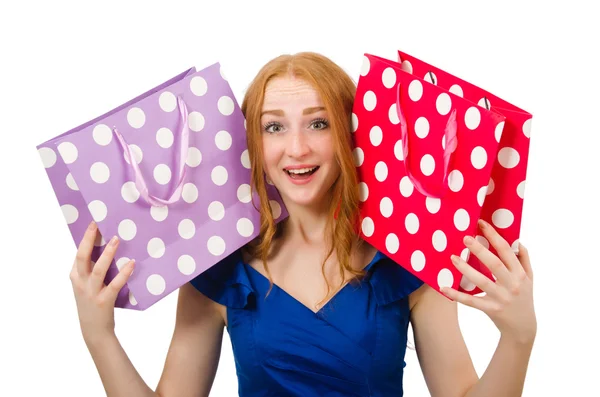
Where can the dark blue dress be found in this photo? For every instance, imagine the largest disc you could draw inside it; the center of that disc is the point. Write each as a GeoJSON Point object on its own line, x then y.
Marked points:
{"type": "Point", "coordinates": [354, 346]}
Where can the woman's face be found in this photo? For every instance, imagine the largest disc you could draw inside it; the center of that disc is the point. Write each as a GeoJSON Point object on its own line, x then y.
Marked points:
{"type": "Point", "coordinates": [298, 150]}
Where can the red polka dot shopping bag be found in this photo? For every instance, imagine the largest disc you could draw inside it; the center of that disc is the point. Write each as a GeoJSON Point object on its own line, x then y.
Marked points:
{"type": "Point", "coordinates": [169, 173]}
{"type": "Point", "coordinates": [434, 154]}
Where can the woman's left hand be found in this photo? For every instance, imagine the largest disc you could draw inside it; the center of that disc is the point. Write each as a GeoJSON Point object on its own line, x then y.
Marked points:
{"type": "Point", "coordinates": [509, 300]}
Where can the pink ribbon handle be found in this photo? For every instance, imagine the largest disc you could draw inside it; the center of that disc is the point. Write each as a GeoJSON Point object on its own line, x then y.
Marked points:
{"type": "Point", "coordinates": [450, 140]}
{"type": "Point", "coordinates": [140, 182]}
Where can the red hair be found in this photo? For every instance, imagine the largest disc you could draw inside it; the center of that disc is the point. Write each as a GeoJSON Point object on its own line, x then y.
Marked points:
{"type": "Point", "coordinates": [337, 90]}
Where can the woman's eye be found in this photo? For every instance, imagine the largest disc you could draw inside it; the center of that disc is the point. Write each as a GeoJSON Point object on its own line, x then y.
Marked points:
{"type": "Point", "coordinates": [269, 128]}
{"type": "Point", "coordinates": [320, 124]}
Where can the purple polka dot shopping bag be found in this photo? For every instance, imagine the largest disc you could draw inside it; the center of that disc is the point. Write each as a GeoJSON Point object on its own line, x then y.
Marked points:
{"type": "Point", "coordinates": [169, 173]}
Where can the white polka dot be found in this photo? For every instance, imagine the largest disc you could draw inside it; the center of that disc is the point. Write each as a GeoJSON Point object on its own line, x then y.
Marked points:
{"type": "Point", "coordinates": [159, 214]}
{"type": "Point", "coordinates": [406, 66]}
{"type": "Point", "coordinates": [376, 135]}
{"type": "Point", "coordinates": [491, 187]}
{"type": "Point", "coordinates": [406, 186]}
{"type": "Point", "coordinates": [433, 204]}
{"type": "Point", "coordinates": [393, 115]}
{"type": "Point", "coordinates": [216, 211]}
{"type": "Point", "coordinates": [427, 164]}
{"type": "Point", "coordinates": [219, 175]}
{"type": "Point", "coordinates": [481, 194]}
{"type": "Point", "coordinates": [508, 157]}
{"type": "Point", "coordinates": [430, 77]}
{"type": "Point", "coordinates": [415, 90]}
{"type": "Point", "coordinates": [164, 137]}
{"type": "Point", "coordinates": [244, 193]}
{"type": "Point", "coordinates": [225, 105]}
{"type": "Point", "coordinates": [138, 155]}
{"type": "Point", "coordinates": [455, 180]}
{"type": "Point", "coordinates": [381, 171]}
{"type": "Point", "coordinates": [132, 299]}
{"type": "Point", "coordinates": [102, 134]}
{"type": "Point", "coordinates": [498, 131]}
{"type": "Point", "coordinates": [386, 207]}
{"type": "Point", "coordinates": [136, 117]}
{"type": "Point", "coordinates": [194, 157]}
{"type": "Point", "coordinates": [48, 156]}
{"type": "Point", "coordinates": [196, 121]}
{"type": "Point", "coordinates": [216, 245]}
{"type": "Point", "coordinates": [466, 284]}
{"type": "Point", "coordinates": [439, 240]}
{"type": "Point", "coordinates": [167, 101]}
{"type": "Point", "coordinates": [98, 210]}
{"type": "Point", "coordinates": [223, 140]}
{"type": "Point", "coordinates": [129, 192]}
{"type": "Point", "coordinates": [162, 174]}
{"type": "Point", "coordinates": [222, 73]}
{"type": "Point", "coordinates": [186, 229]}
{"type": "Point", "coordinates": [465, 254]}
{"type": "Point", "coordinates": [365, 67]}
{"type": "Point", "coordinates": [445, 278]}
{"type": "Point", "coordinates": [521, 189]}
{"type": "Point", "coordinates": [359, 156]}
{"type": "Point", "coordinates": [398, 150]}
{"type": "Point", "coordinates": [189, 193]}
{"type": "Point", "coordinates": [99, 172]}
{"type": "Point", "coordinates": [483, 241]}
{"type": "Point", "coordinates": [422, 127]}
{"type": "Point", "coordinates": [245, 159]}
{"type": "Point", "coordinates": [444, 142]}
{"type": "Point", "coordinates": [363, 191]}
{"type": "Point", "coordinates": [156, 248]}
{"type": "Point", "coordinates": [198, 86]}
{"type": "Point", "coordinates": [369, 100]}
{"type": "Point", "coordinates": [275, 208]}
{"type": "Point", "coordinates": [443, 103]}
{"type": "Point", "coordinates": [122, 262]}
{"type": "Point", "coordinates": [527, 128]}
{"type": "Point", "coordinates": [71, 182]}
{"type": "Point", "coordinates": [388, 77]}
{"type": "Point", "coordinates": [456, 90]}
{"type": "Point", "coordinates": [186, 264]}
{"type": "Point", "coordinates": [417, 261]}
{"type": "Point", "coordinates": [70, 213]}
{"type": "Point", "coordinates": [472, 118]}
{"type": "Point", "coordinates": [368, 226]}
{"type": "Point", "coordinates": [155, 284]}
{"type": "Point", "coordinates": [461, 220]}
{"type": "Point", "coordinates": [503, 218]}
{"type": "Point", "coordinates": [99, 242]}
{"type": "Point", "coordinates": [354, 122]}
{"type": "Point", "coordinates": [479, 157]}
{"type": "Point", "coordinates": [484, 103]}
{"type": "Point", "coordinates": [245, 227]}
{"type": "Point", "coordinates": [127, 229]}
{"type": "Point", "coordinates": [392, 243]}
{"type": "Point", "coordinates": [411, 223]}
{"type": "Point", "coordinates": [68, 152]}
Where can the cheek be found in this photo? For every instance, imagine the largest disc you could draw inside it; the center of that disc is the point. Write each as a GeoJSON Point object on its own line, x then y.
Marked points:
{"type": "Point", "coordinates": [271, 154]}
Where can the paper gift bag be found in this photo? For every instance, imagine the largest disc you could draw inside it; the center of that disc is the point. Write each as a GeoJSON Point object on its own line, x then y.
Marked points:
{"type": "Point", "coordinates": [424, 156]}
{"type": "Point", "coordinates": [503, 205]}
{"type": "Point", "coordinates": [168, 172]}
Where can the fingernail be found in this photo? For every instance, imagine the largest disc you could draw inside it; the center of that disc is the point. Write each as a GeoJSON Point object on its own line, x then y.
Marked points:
{"type": "Point", "coordinates": [113, 241]}
{"type": "Point", "coordinates": [469, 240]}
{"type": "Point", "coordinates": [92, 225]}
{"type": "Point", "coordinates": [454, 259]}
{"type": "Point", "coordinates": [483, 224]}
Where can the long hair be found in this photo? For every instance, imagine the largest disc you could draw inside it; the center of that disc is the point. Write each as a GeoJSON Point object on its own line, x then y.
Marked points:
{"type": "Point", "coordinates": [337, 91]}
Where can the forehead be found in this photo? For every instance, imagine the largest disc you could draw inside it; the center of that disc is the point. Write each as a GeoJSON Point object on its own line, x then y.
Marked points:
{"type": "Point", "coordinates": [289, 90]}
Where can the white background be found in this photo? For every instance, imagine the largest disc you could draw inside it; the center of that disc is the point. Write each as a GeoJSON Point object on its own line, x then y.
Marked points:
{"type": "Point", "coordinates": [65, 63]}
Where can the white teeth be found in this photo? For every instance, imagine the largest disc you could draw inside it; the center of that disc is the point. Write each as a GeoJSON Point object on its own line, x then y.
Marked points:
{"type": "Point", "coordinates": [300, 170]}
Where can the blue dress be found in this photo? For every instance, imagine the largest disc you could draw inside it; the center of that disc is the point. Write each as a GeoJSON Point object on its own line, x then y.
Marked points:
{"type": "Point", "coordinates": [354, 346]}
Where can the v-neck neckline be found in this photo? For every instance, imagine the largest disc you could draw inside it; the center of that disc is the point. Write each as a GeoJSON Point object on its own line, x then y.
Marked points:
{"type": "Point", "coordinates": [367, 268]}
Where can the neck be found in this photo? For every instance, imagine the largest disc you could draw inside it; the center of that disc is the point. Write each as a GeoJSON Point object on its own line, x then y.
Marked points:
{"type": "Point", "coordinates": [306, 225]}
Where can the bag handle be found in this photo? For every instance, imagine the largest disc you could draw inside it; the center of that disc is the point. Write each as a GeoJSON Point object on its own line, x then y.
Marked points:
{"type": "Point", "coordinates": [140, 181]}
{"type": "Point", "coordinates": [450, 145]}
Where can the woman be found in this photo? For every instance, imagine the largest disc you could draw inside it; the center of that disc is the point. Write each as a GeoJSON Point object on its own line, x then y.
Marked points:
{"type": "Point", "coordinates": [310, 308]}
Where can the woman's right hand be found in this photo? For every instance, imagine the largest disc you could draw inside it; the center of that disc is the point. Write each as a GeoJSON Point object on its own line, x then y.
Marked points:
{"type": "Point", "coordinates": [95, 300]}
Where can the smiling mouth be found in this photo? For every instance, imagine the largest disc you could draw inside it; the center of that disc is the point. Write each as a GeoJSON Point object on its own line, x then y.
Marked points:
{"type": "Point", "coordinates": [302, 172]}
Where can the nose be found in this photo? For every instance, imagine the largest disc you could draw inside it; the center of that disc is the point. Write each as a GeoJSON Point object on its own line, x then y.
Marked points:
{"type": "Point", "coordinates": [298, 145]}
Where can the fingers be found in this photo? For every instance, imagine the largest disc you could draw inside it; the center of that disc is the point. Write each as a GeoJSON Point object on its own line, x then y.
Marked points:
{"type": "Point", "coordinates": [523, 256]}
{"type": "Point", "coordinates": [505, 252]}
{"type": "Point", "coordinates": [490, 260]}
{"type": "Point", "coordinates": [484, 283]}
{"type": "Point", "coordinates": [84, 251]}
{"type": "Point", "coordinates": [117, 283]}
{"type": "Point", "coordinates": [103, 263]}
{"type": "Point", "coordinates": [476, 302]}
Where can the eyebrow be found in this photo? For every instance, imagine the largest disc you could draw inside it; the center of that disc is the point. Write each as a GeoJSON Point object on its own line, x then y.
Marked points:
{"type": "Point", "coordinates": [279, 112]}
